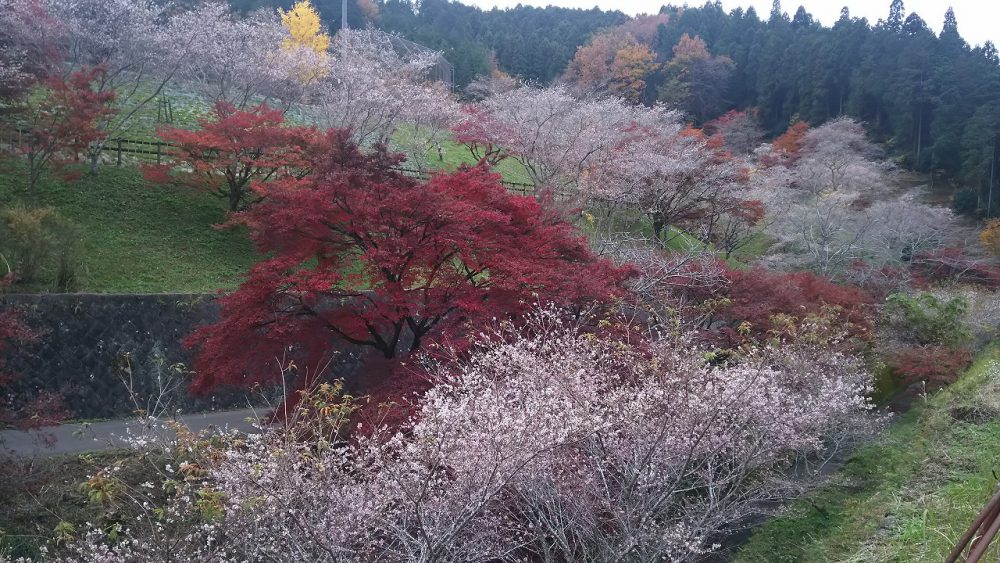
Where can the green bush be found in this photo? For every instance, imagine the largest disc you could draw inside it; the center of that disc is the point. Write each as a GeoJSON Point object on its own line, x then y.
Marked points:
{"type": "Point", "coordinates": [926, 320]}
{"type": "Point", "coordinates": [39, 247]}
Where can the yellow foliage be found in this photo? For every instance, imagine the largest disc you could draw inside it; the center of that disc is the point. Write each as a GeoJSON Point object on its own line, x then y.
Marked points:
{"type": "Point", "coordinates": [990, 237]}
{"type": "Point", "coordinates": [631, 67]}
{"type": "Point", "coordinates": [303, 25]}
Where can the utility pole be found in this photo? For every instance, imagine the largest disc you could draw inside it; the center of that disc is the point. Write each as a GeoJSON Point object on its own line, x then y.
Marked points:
{"type": "Point", "coordinates": [343, 14]}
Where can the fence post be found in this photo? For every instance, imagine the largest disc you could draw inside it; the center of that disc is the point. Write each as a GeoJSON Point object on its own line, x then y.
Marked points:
{"type": "Point", "coordinates": [157, 152]}
{"type": "Point", "coordinates": [119, 163]}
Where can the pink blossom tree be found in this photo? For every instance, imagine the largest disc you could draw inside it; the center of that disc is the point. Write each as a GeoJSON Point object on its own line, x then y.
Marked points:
{"type": "Point", "coordinates": [554, 136]}
{"type": "Point", "coordinates": [383, 93]}
{"type": "Point", "coordinates": [547, 442]}
{"type": "Point", "coordinates": [241, 60]}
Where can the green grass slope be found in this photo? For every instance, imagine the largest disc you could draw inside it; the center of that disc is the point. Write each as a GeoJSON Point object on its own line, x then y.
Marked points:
{"type": "Point", "coordinates": [138, 238]}
{"type": "Point", "coordinates": [910, 495]}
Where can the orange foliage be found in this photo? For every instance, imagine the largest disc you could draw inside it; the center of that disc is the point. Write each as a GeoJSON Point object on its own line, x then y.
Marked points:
{"type": "Point", "coordinates": [369, 8]}
{"type": "Point", "coordinates": [691, 49]}
{"type": "Point", "coordinates": [692, 132]}
{"type": "Point", "coordinates": [631, 67]}
{"type": "Point", "coordinates": [591, 67]}
{"type": "Point", "coordinates": [645, 27]}
{"type": "Point", "coordinates": [990, 237]}
{"type": "Point", "coordinates": [791, 141]}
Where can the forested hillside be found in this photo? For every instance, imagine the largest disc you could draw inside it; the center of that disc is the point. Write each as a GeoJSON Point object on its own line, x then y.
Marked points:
{"type": "Point", "coordinates": [932, 99]}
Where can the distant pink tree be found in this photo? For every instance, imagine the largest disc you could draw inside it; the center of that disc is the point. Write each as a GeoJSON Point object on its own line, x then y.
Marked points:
{"type": "Point", "coordinates": [554, 135]}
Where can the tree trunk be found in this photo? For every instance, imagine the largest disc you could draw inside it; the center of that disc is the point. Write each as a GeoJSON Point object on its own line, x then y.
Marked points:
{"type": "Point", "coordinates": [34, 174]}
{"type": "Point", "coordinates": [95, 158]}
{"type": "Point", "coordinates": [658, 226]}
{"type": "Point", "coordinates": [234, 199]}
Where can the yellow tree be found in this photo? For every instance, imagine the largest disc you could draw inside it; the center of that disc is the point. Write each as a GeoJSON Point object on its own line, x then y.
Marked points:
{"type": "Point", "coordinates": [990, 237]}
{"type": "Point", "coordinates": [303, 25]}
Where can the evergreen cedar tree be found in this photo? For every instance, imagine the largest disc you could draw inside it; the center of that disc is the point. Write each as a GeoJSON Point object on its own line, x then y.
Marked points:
{"type": "Point", "coordinates": [233, 148]}
{"type": "Point", "coordinates": [362, 254]}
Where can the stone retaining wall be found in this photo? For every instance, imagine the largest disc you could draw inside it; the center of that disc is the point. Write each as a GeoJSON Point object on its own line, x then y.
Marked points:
{"type": "Point", "coordinates": [92, 344]}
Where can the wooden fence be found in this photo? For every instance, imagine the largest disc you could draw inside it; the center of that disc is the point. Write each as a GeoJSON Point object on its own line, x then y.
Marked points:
{"type": "Point", "coordinates": [123, 150]}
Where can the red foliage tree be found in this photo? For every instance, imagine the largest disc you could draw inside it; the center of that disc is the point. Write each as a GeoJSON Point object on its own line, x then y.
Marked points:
{"type": "Point", "coordinates": [63, 120]}
{"type": "Point", "coordinates": [757, 296]}
{"type": "Point", "coordinates": [476, 130]}
{"type": "Point", "coordinates": [936, 366]}
{"type": "Point", "coordinates": [361, 254]}
{"type": "Point", "coordinates": [788, 146]}
{"type": "Point", "coordinates": [953, 265]}
{"type": "Point", "coordinates": [234, 148]}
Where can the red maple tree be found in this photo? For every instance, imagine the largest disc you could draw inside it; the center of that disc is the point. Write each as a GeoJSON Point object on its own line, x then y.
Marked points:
{"type": "Point", "coordinates": [232, 149]}
{"type": "Point", "coordinates": [61, 122]}
{"type": "Point", "coordinates": [361, 254]}
{"type": "Point", "coordinates": [476, 130]}
{"type": "Point", "coordinates": [747, 303]}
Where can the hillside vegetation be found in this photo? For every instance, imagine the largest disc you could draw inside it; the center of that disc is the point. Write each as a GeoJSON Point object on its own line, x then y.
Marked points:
{"type": "Point", "coordinates": [136, 238]}
{"type": "Point", "coordinates": [670, 285]}
{"type": "Point", "coordinates": [911, 494]}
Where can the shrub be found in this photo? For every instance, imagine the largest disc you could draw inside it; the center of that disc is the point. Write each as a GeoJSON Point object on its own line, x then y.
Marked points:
{"type": "Point", "coordinates": [927, 320]}
{"type": "Point", "coordinates": [755, 297]}
{"type": "Point", "coordinates": [18, 408]}
{"type": "Point", "coordinates": [39, 246]}
{"type": "Point", "coordinates": [953, 265]}
{"type": "Point", "coordinates": [936, 366]}
{"type": "Point", "coordinates": [990, 237]}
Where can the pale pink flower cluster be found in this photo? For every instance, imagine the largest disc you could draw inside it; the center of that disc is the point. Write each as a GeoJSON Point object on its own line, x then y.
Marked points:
{"type": "Point", "coordinates": [556, 136]}
{"type": "Point", "coordinates": [240, 60]}
{"type": "Point", "coordinates": [383, 92]}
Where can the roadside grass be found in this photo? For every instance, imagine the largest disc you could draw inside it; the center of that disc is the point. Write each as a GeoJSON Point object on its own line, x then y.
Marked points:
{"type": "Point", "coordinates": [138, 238]}
{"type": "Point", "coordinates": [908, 496]}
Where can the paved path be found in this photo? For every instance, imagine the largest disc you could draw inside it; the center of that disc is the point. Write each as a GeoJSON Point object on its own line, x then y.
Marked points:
{"type": "Point", "coordinates": [98, 436]}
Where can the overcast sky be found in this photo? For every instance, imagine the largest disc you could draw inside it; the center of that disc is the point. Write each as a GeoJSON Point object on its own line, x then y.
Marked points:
{"type": "Point", "coordinates": [978, 20]}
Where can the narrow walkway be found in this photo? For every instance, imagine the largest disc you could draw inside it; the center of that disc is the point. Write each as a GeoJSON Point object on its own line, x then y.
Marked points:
{"type": "Point", "coordinates": [100, 436]}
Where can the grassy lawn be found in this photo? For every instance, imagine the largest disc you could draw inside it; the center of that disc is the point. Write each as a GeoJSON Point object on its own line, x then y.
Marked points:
{"type": "Point", "coordinates": [910, 495]}
{"type": "Point", "coordinates": [138, 238]}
